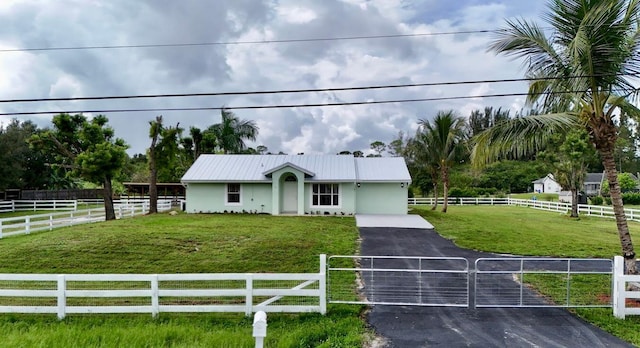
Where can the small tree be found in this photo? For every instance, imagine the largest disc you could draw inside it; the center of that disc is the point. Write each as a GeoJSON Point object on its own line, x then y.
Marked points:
{"type": "Point", "coordinates": [88, 148]}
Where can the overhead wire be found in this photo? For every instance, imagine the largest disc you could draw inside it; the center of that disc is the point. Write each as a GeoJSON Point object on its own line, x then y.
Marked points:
{"type": "Point", "coordinates": [253, 42]}
{"type": "Point", "coordinates": [277, 106]}
{"type": "Point", "coordinates": [286, 91]}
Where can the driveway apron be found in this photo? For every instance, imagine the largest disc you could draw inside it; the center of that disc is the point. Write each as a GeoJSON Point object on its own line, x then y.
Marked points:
{"type": "Point", "coordinates": [412, 326]}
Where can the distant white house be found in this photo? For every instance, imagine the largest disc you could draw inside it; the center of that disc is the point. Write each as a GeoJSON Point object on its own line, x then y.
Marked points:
{"type": "Point", "coordinates": [546, 185]}
{"type": "Point", "coordinates": [593, 184]}
{"type": "Point", "coordinates": [299, 185]}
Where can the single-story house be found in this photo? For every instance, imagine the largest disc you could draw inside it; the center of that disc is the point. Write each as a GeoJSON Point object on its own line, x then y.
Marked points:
{"type": "Point", "coordinates": [546, 185]}
{"type": "Point", "coordinates": [297, 184]}
{"type": "Point", "coordinates": [593, 184]}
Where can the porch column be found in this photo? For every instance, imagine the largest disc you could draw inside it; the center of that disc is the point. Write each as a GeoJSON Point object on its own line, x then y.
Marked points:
{"type": "Point", "coordinates": [275, 194]}
{"type": "Point", "coordinates": [300, 194]}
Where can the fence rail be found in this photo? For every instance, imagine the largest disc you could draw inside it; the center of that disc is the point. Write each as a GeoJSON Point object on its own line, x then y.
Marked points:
{"type": "Point", "coordinates": [157, 293]}
{"type": "Point", "coordinates": [24, 205]}
{"type": "Point", "coordinates": [46, 222]}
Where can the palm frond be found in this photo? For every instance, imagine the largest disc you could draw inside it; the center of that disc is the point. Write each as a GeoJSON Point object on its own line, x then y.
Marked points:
{"type": "Point", "coordinates": [519, 137]}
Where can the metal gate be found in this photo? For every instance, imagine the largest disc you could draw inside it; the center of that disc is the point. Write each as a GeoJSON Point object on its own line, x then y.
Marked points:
{"type": "Point", "coordinates": [396, 280]}
{"type": "Point", "coordinates": [542, 282]}
{"type": "Point", "coordinates": [449, 282]}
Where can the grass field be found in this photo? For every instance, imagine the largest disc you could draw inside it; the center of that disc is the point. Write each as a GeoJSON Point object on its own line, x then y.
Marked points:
{"type": "Point", "coordinates": [550, 197]}
{"type": "Point", "coordinates": [530, 232]}
{"type": "Point", "coordinates": [181, 244]}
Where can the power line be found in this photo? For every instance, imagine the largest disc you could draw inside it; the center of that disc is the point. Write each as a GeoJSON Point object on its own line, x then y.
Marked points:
{"type": "Point", "coordinates": [285, 91]}
{"type": "Point", "coordinates": [280, 106]}
{"type": "Point", "coordinates": [226, 43]}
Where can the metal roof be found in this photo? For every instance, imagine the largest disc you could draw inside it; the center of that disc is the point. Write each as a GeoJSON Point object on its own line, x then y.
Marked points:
{"type": "Point", "coordinates": [594, 178]}
{"type": "Point", "coordinates": [381, 169]}
{"type": "Point", "coordinates": [329, 168]}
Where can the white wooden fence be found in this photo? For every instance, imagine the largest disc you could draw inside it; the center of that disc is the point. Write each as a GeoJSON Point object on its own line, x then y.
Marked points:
{"type": "Point", "coordinates": [460, 201]}
{"type": "Point", "coordinates": [163, 293]}
{"type": "Point", "coordinates": [583, 209]}
{"type": "Point", "coordinates": [47, 222]}
{"type": "Point", "coordinates": [22, 205]}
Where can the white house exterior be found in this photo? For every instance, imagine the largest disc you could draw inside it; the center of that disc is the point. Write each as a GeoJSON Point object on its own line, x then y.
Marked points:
{"type": "Point", "coordinates": [546, 185]}
{"type": "Point", "coordinates": [297, 184]}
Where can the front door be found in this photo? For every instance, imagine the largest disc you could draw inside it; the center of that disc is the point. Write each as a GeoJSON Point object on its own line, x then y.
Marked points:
{"type": "Point", "coordinates": [290, 197]}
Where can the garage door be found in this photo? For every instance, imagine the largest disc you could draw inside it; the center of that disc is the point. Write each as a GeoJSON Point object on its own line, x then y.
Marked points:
{"type": "Point", "coordinates": [381, 199]}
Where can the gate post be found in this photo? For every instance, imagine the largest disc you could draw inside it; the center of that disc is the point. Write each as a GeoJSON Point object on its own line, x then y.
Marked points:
{"type": "Point", "coordinates": [323, 284]}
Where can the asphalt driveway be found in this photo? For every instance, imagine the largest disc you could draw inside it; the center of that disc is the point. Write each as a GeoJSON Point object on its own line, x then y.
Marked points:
{"type": "Point", "coordinates": [408, 326]}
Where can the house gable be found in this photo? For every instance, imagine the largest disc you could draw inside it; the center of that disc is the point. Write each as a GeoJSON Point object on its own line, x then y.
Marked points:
{"type": "Point", "coordinates": [291, 166]}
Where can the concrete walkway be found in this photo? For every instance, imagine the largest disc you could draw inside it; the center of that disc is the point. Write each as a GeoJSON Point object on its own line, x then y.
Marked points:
{"type": "Point", "coordinates": [396, 221]}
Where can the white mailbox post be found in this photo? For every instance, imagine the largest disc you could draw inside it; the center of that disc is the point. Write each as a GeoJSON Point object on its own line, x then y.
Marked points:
{"type": "Point", "coordinates": [260, 328]}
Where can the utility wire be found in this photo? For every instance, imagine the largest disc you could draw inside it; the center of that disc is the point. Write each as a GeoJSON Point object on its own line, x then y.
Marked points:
{"type": "Point", "coordinates": [310, 90]}
{"type": "Point", "coordinates": [226, 43]}
{"type": "Point", "coordinates": [280, 106]}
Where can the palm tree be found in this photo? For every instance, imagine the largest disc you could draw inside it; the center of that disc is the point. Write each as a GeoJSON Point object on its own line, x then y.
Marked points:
{"type": "Point", "coordinates": [231, 132]}
{"type": "Point", "coordinates": [423, 155]}
{"type": "Point", "coordinates": [583, 66]}
{"type": "Point", "coordinates": [162, 154]}
{"type": "Point", "coordinates": [444, 135]}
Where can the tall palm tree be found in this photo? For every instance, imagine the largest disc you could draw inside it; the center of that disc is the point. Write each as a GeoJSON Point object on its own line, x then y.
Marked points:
{"type": "Point", "coordinates": [584, 66]}
{"type": "Point", "coordinates": [231, 132]}
{"type": "Point", "coordinates": [424, 157]}
{"type": "Point", "coordinates": [444, 135]}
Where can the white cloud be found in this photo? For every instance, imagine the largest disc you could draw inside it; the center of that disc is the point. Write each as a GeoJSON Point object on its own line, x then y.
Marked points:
{"type": "Point", "coordinates": [249, 67]}
{"type": "Point", "coordinates": [296, 15]}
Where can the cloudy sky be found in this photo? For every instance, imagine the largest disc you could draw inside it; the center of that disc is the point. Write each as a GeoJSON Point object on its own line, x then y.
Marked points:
{"type": "Point", "coordinates": [242, 66]}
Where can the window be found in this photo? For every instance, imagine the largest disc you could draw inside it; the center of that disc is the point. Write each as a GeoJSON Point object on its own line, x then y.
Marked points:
{"type": "Point", "coordinates": [233, 194]}
{"type": "Point", "coordinates": [325, 195]}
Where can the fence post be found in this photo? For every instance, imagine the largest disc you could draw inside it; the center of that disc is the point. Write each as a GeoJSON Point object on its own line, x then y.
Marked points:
{"type": "Point", "coordinates": [62, 297]}
{"type": "Point", "coordinates": [249, 296]}
{"type": "Point", "coordinates": [618, 288]}
{"type": "Point", "coordinates": [155, 301]}
{"type": "Point", "coordinates": [50, 222]}
{"type": "Point", "coordinates": [75, 204]}
{"type": "Point", "coordinates": [323, 284]}
{"type": "Point", "coordinates": [260, 328]}
{"type": "Point", "coordinates": [27, 224]}
{"type": "Point", "coordinates": [13, 206]}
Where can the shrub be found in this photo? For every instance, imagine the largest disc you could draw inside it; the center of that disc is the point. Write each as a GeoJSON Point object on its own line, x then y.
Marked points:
{"type": "Point", "coordinates": [597, 200]}
{"type": "Point", "coordinates": [463, 192]}
{"type": "Point", "coordinates": [486, 191]}
{"type": "Point", "coordinates": [632, 198]}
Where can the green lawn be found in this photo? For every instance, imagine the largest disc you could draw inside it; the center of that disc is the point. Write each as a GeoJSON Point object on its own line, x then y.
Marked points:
{"type": "Point", "coordinates": [181, 244]}
{"type": "Point", "coordinates": [550, 197]}
{"type": "Point", "coordinates": [531, 232]}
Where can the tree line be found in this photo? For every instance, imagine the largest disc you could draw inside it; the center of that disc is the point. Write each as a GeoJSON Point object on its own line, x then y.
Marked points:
{"type": "Point", "coordinates": [78, 150]}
